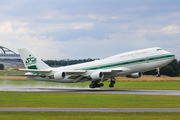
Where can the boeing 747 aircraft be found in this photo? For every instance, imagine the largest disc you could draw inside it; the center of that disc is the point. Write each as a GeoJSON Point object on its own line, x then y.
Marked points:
{"type": "Point", "coordinates": [130, 64]}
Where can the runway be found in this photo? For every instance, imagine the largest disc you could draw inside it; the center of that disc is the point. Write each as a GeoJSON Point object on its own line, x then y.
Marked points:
{"type": "Point", "coordinates": [94, 109]}
{"type": "Point", "coordinates": [88, 90]}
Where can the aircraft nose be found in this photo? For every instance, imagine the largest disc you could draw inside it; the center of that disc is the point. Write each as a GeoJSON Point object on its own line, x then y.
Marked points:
{"type": "Point", "coordinates": [171, 55]}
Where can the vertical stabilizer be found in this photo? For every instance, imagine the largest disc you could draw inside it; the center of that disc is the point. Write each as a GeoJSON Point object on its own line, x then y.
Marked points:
{"type": "Point", "coordinates": [31, 61]}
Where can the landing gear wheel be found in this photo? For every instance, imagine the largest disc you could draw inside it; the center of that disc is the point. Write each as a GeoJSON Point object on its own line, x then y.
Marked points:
{"type": "Point", "coordinates": [96, 84]}
{"type": "Point", "coordinates": [101, 84]}
{"type": "Point", "coordinates": [111, 85]}
{"type": "Point", "coordinates": [158, 75]}
{"type": "Point", "coordinates": [91, 86]}
{"type": "Point", "coordinates": [113, 82]}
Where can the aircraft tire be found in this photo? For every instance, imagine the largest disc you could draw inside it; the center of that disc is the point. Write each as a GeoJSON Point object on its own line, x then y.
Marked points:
{"type": "Point", "coordinates": [158, 75]}
{"type": "Point", "coordinates": [113, 82]}
{"type": "Point", "coordinates": [111, 85]}
{"type": "Point", "coordinates": [91, 86]}
{"type": "Point", "coordinates": [101, 84]}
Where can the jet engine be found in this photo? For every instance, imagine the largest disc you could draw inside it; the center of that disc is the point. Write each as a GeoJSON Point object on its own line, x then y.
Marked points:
{"type": "Point", "coordinates": [135, 75]}
{"type": "Point", "coordinates": [97, 75]}
{"type": "Point", "coordinates": [59, 75]}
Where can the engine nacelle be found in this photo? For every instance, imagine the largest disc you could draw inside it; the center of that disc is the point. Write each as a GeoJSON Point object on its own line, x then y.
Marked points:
{"type": "Point", "coordinates": [59, 75]}
{"type": "Point", "coordinates": [97, 75]}
{"type": "Point", "coordinates": [135, 75]}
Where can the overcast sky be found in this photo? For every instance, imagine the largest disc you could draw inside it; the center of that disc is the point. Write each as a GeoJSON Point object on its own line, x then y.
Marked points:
{"type": "Point", "coordinates": [68, 29]}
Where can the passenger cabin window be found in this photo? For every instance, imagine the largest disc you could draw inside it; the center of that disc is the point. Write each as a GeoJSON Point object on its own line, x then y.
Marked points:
{"type": "Point", "coordinates": [159, 49]}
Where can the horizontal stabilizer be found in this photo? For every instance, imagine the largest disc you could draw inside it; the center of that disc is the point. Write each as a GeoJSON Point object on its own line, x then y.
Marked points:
{"type": "Point", "coordinates": [36, 71]}
{"type": "Point", "coordinates": [23, 75]}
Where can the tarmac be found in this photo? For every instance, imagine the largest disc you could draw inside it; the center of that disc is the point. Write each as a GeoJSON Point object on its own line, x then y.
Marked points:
{"type": "Point", "coordinates": [94, 91]}
{"type": "Point", "coordinates": [94, 109]}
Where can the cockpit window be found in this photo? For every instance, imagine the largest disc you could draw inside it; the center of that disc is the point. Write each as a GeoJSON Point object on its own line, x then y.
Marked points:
{"type": "Point", "coordinates": [159, 49]}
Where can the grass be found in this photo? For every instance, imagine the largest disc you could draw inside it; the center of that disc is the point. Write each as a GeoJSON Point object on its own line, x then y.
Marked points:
{"type": "Point", "coordinates": [87, 116]}
{"type": "Point", "coordinates": [150, 78]}
{"type": "Point", "coordinates": [6, 72]}
{"type": "Point", "coordinates": [77, 100]}
{"type": "Point", "coordinates": [151, 85]}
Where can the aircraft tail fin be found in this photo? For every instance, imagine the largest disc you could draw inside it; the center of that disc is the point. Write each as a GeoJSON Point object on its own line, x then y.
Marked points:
{"type": "Point", "coordinates": [31, 61]}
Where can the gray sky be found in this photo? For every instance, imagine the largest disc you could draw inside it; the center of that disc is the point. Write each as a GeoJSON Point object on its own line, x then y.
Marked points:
{"type": "Point", "coordinates": [68, 29]}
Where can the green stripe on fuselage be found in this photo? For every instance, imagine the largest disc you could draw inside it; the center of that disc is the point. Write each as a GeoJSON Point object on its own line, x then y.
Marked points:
{"type": "Point", "coordinates": [148, 59]}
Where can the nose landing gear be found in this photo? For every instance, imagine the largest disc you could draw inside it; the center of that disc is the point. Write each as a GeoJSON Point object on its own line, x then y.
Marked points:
{"type": "Point", "coordinates": [158, 72]}
{"type": "Point", "coordinates": [112, 82]}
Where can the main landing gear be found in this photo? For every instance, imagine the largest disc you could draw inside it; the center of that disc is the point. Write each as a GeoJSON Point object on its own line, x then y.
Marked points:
{"type": "Point", "coordinates": [96, 84]}
{"type": "Point", "coordinates": [112, 82]}
{"type": "Point", "coordinates": [158, 72]}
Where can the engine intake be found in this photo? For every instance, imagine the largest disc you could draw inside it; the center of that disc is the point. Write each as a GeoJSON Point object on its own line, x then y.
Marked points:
{"type": "Point", "coordinates": [59, 75]}
{"type": "Point", "coordinates": [97, 75]}
{"type": "Point", "coordinates": [135, 75]}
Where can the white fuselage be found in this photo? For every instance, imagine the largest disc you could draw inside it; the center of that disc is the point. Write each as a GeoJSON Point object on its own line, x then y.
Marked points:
{"type": "Point", "coordinates": [129, 62]}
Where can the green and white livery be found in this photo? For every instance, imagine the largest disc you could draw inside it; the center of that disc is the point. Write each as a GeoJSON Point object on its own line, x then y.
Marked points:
{"type": "Point", "coordinates": [130, 64]}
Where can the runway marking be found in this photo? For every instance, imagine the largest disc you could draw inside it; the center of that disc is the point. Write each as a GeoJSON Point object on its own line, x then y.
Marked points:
{"type": "Point", "coordinates": [94, 91]}
{"type": "Point", "coordinates": [94, 109]}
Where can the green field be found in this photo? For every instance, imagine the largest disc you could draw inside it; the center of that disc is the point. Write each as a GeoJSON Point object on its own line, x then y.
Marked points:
{"type": "Point", "coordinates": [78, 100]}
{"type": "Point", "coordinates": [6, 72]}
{"type": "Point", "coordinates": [87, 116]}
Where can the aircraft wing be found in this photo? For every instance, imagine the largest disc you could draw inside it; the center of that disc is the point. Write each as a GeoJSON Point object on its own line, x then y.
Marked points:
{"type": "Point", "coordinates": [83, 72]}
{"type": "Point", "coordinates": [115, 70]}
{"type": "Point", "coordinates": [48, 71]}
{"type": "Point", "coordinates": [111, 70]}
{"type": "Point", "coordinates": [79, 75]}
{"type": "Point", "coordinates": [69, 72]}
